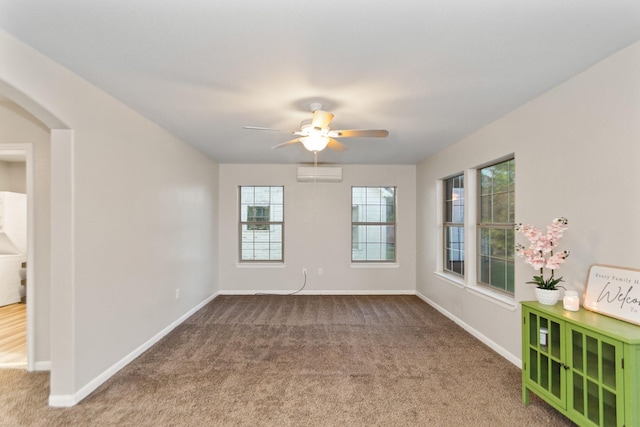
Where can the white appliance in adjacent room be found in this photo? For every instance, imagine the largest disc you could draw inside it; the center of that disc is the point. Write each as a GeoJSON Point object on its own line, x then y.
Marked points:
{"type": "Point", "coordinates": [13, 245]}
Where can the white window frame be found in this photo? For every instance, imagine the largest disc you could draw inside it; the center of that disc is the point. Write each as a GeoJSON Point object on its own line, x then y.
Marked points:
{"type": "Point", "coordinates": [455, 222]}
{"type": "Point", "coordinates": [259, 226]}
{"type": "Point", "coordinates": [469, 281]}
{"type": "Point", "coordinates": [507, 226]}
{"type": "Point", "coordinates": [355, 262]}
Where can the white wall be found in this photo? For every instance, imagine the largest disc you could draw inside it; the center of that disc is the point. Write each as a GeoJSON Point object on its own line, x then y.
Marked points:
{"type": "Point", "coordinates": [577, 151]}
{"type": "Point", "coordinates": [317, 232]}
{"type": "Point", "coordinates": [142, 222]}
{"type": "Point", "coordinates": [17, 126]}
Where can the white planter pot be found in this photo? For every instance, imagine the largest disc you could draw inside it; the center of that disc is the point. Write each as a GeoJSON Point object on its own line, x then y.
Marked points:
{"type": "Point", "coordinates": [547, 296]}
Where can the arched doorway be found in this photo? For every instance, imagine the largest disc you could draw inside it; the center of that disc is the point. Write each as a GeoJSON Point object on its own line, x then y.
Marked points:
{"type": "Point", "coordinates": [42, 324]}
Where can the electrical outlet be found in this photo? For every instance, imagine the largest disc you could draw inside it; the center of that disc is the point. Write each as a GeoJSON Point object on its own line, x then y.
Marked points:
{"type": "Point", "coordinates": [177, 293]}
{"type": "Point", "coordinates": [320, 271]}
{"type": "Point", "coordinates": [304, 271]}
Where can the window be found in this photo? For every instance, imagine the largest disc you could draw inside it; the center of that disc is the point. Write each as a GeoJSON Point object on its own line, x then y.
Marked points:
{"type": "Point", "coordinates": [373, 224]}
{"type": "Point", "coordinates": [495, 226]}
{"type": "Point", "coordinates": [261, 223]}
{"type": "Point", "coordinates": [257, 217]}
{"type": "Point", "coordinates": [454, 225]}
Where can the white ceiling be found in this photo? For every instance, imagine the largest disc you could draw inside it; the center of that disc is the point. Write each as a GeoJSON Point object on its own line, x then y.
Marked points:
{"type": "Point", "coordinates": [429, 71]}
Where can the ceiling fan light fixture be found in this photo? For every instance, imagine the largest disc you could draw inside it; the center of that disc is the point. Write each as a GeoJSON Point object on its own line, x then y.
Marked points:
{"type": "Point", "coordinates": [316, 135]}
{"type": "Point", "coordinates": [306, 127]}
{"type": "Point", "coordinates": [315, 143]}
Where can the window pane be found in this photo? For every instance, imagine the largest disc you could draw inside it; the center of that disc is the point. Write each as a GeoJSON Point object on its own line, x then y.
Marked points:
{"type": "Point", "coordinates": [246, 195]}
{"type": "Point", "coordinates": [276, 213]}
{"type": "Point", "coordinates": [512, 195]}
{"type": "Point", "coordinates": [372, 213]}
{"type": "Point", "coordinates": [458, 213]}
{"type": "Point", "coordinates": [454, 250]}
{"type": "Point", "coordinates": [501, 177]}
{"type": "Point", "coordinates": [454, 225]}
{"type": "Point", "coordinates": [500, 207]}
{"type": "Point", "coordinates": [485, 276]}
{"type": "Point", "coordinates": [497, 243]}
{"type": "Point", "coordinates": [259, 214]}
{"type": "Point", "coordinates": [484, 241]}
{"type": "Point", "coordinates": [259, 235]}
{"type": "Point", "coordinates": [373, 251]}
{"type": "Point", "coordinates": [262, 195]}
{"type": "Point", "coordinates": [496, 214]}
{"type": "Point", "coordinates": [510, 277]}
{"type": "Point", "coordinates": [486, 209]}
{"type": "Point", "coordinates": [357, 195]}
{"type": "Point", "coordinates": [448, 211]}
{"type": "Point", "coordinates": [512, 207]}
{"type": "Point", "coordinates": [275, 233]}
{"type": "Point", "coordinates": [373, 224]}
{"type": "Point", "coordinates": [448, 189]}
{"type": "Point", "coordinates": [510, 246]}
{"type": "Point", "coordinates": [261, 223]}
{"type": "Point", "coordinates": [486, 180]}
{"type": "Point", "coordinates": [374, 197]}
{"type": "Point", "coordinates": [261, 250]}
{"type": "Point", "coordinates": [512, 174]}
{"type": "Point", "coordinates": [389, 215]}
{"type": "Point", "coordinates": [498, 273]}
{"type": "Point", "coordinates": [277, 195]}
{"type": "Point", "coordinates": [390, 252]}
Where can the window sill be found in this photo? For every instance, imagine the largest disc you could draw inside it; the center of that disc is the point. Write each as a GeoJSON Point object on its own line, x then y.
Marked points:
{"type": "Point", "coordinates": [497, 298]}
{"type": "Point", "coordinates": [374, 265]}
{"type": "Point", "coordinates": [451, 279]}
{"type": "Point", "coordinates": [259, 264]}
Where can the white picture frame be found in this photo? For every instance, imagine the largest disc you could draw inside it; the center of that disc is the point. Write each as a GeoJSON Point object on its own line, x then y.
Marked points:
{"type": "Point", "coordinates": [613, 291]}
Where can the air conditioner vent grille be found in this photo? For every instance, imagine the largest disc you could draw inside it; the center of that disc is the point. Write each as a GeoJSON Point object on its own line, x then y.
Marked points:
{"type": "Point", "coordinates": [319, 174]}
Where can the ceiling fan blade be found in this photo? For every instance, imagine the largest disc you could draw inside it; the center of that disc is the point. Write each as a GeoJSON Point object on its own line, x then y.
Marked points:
{"type": "Point", "coordinates": [269, 129]}
{"type": "Point", "coordinates": [353, 133]}
{"type": "Point", "coordinates": [321, 119]}
{"type": "Point", "coordinates": [336, 145]}
{"type": "Point", "coordinates": [293, 141]}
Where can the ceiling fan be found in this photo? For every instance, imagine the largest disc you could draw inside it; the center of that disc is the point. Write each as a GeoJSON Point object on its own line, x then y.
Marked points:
{"type": "Point", "coordinates": [316, 135]}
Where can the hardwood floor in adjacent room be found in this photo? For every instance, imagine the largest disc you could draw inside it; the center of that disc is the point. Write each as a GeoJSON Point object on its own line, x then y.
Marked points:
{"type": "Point", "coordinates": [13, 335]}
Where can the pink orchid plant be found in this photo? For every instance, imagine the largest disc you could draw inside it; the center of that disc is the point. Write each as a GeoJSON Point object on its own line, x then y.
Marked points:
{"type": "Point", "coordinates": [540, 253]}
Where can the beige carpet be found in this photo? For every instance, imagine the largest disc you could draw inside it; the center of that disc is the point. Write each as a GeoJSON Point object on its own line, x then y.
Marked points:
{"type": "Point", "coordinates": [298, 361]}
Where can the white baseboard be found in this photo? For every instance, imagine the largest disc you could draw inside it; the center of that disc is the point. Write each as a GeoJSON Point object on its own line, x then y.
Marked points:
{"type": "Point", "coordinates": [62, 400]}
{"type": "Point", "coordinates": [322, 292]}
{"type": "Point", "coordinates": [490, 343]}
{"type": "Point", "coordinates": [38, 366]}
{"type": "Point", "coordinates": [44, 365]}
{"type": "Point", "coordinates": [68, 400]}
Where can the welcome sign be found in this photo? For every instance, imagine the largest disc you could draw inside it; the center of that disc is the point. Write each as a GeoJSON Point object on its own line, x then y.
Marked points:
{"type": "Point", "coordinates": [614, 291]}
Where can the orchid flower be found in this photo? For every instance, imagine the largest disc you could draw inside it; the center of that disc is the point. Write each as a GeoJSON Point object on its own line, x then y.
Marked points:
{"type": "Point", "coordinates": [540, 252]}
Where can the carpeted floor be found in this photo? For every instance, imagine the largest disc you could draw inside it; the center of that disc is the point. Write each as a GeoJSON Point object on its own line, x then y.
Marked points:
{"type": "Point", "coordinates": [298, 361]}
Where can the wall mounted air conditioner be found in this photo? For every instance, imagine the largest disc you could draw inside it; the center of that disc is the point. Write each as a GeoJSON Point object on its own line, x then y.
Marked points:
{"type": "Point", "coordinates": [319, 174]}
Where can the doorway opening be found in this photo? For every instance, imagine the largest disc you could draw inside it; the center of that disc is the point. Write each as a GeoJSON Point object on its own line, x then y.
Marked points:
{"type": "Point", "coordinates": [16, 249]}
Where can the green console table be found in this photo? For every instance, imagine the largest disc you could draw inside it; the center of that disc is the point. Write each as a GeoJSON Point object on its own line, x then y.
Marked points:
{"type": "Point", "coordinates": [584, 364]}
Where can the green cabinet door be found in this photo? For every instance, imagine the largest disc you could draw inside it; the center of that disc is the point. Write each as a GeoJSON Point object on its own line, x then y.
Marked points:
{"type": "Point", "coordinates": [595, 387]}
{"type": "Point", "coordinates": [543, 352]}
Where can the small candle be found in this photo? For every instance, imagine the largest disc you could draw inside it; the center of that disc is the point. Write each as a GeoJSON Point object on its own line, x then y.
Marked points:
{"type": "Point", "coordinates": [571, 301]}
{"type": "Point", "coordinates": [543, 336]}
